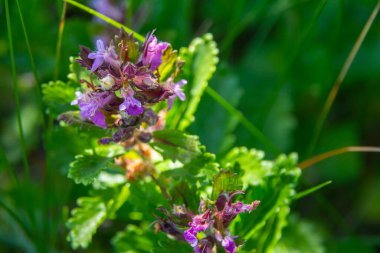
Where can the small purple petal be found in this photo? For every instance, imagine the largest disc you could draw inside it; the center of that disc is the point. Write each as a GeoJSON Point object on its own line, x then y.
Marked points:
{"type": "Point", "coordinates": [202, 221]}
{"type": "Point", "coordinates": [90, 105]}
{"type": "Point", "coordinates": [99, 119]}
{"type": "Point", "coordinates": [177, 90]}
{"type": "Point", "coordinates": [229, 244]}
{"type": "Point", "coordinates": [190, 236]}
{"type": "Point", "coordinates": [152, 52]}
{"type": "Point", "coordinates": [100, 46]}
{"type": "Point", "coordinates": [131, 105]}
{"type": "Point", "coordinates": [97, 63]}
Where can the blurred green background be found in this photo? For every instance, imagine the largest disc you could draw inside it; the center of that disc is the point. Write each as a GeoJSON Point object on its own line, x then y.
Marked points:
{"type": "Point", "coordinates": [278, 62]}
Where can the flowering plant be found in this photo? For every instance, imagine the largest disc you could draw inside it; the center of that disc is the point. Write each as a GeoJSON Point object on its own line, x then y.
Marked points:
{"type": "Point", "coordinates": [137, 159]}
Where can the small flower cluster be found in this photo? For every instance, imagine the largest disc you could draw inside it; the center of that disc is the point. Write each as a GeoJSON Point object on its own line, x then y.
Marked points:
{"type": "Point", "coordinates": [125, 83]}
{"type": "Point", "coordinates": [212, 220]}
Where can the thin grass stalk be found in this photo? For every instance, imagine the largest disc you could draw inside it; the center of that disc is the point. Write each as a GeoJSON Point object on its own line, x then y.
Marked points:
{"type": "Point", "coordinates": [342, 74]}
{"type": "Point", "coordinates": [59, 41]}
{"type": "Point", "coordinates": [243, 120]}
{"type": "Point", "coordinates": [319, 158]}
{"type": "Point", "coordinates": [34, 70]}
{"type": "Point", "coordinates": [116, 24]}
{"type": "Point", "coordinates": [16, 95]}
{"type": "Point", "coordinates": [268, 105]}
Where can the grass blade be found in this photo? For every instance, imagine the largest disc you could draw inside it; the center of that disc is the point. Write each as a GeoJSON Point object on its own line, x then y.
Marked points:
{"type": "Point", "coordinates": [59, 41]}
{"type": "Point", "coordinates": [292, 57]}
{"type": "Point", "coordinates": [16, 94]}
{"type": "Point", "coordinates": [116, 24]}
{"type": "Point", "coordinates": [316, 159]}
{"type": "Point", "coordinates": [311, 190]}
{"type": "Point", "coordinates": [342, 74]}
{"type": "Point", "coordinates": [32, 63]}
{"type": "Point", "coordinates": [243, 120]}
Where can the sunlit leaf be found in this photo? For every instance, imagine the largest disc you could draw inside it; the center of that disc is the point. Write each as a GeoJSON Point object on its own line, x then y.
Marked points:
{"type": "Point", "coordinates": [200, 63]}
{"type": "Point", "coordinates": [57, 97]}
{"type": "Point", "coordinates": [91, 212]}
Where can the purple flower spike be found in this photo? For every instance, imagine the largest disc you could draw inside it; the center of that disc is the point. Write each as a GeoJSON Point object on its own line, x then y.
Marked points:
{"type": "Point", "coordinates": [191, 236]}
{"type": "Point", "coordinates": [131, 104]}
{"type": "Point", "coordinates": [152, 52]}
{"type": "Point", "coordinates": [178, 92]}
{"type": "Point", "coordinates": [229, 244]}
{"type": "Point", "coordinates": [102, 55]}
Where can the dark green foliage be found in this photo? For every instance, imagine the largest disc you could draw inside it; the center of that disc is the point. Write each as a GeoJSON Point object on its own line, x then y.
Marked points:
{"type": "Point", "coordinates": [262, 46]}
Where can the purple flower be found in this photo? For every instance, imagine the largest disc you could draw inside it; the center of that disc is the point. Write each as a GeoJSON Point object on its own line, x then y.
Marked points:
{"type": "Point", "coordinates": [202, 221]}
{"type": "Point", "coordinates": [152, 52]}
{"type": "Point", "coordinates": [91, 104]}
{"type": "Point", "coordinates": [229, 244]}
{"type": "Point", "coordinates": [227, 211]}
{"type": "Point", "coordinates": [178, 92]}
{"type": "Point", "coordinates": [199, 223]}
{"type": "Point", "coordinates": [205, 245]}
{"type": "Point", "coordinates": [102, 54]}
{"type": "Point", "coordinates": [131, 104]}
{"type": "Point", "coordinates": [191, 236]}
{"type": "Point", "coordinates": [105, 7]}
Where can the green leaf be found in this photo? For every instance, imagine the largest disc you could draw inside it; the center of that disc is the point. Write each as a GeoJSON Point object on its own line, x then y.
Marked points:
{"type": "Point", "coordinates": [170, 61]}
{"type": "Point", "coordinates": [143, 240]}
{"type": "Point", "coordinates": [271, 182]}
{"type": "Point", "coordinates": [57, 97]}
{"type": "Point", "coordinates": [91, 212]}
{"type": "Point", "coordinates": [225, 181]}
{"type": "Point", "coordinates": [200, 63]}
{"type": "Point", "coordinates": [77, 72]}
{"type": "Point", "coordinates": [193, 165]}
{"type": "Point", "coordinates": [177, 145]}
{"type": "Point", "coordinates": [87, 167]}
{"type": "Point", "coordinates": [300, 236]}
{"type": "Point", "coordinates": [251, 161]}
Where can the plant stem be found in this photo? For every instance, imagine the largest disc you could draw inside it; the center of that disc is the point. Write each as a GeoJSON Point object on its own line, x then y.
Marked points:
{"type": "Point", "coordinates": [16, 94]}
{"type": "Point", "coordinates": [316, 159]}
{"type": "Point", "coordinates": [107, 19]}
{"type": "Point", "coordinates": [342, 74]}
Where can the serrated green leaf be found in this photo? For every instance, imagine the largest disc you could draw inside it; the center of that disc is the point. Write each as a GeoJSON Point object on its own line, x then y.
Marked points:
{"type": "Point", "coordinates": [225, 181]}
{"type": "Point", "coordinates": [57, 97]}
{"type": "Point", "coordinates": [169, 63]}
{"type": "Point", "coordinates": [87, 167]}
{"type": "Point", "coordinates": [91, 212]}
{"type": "Point", "coordinates": [177, 145]}
{"type": "Point", "coordinates": [194, 164]}
{"type": "Point", "coordinates": [200, 63]}
{"type": "Point", "coordinates": [271, 182]}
